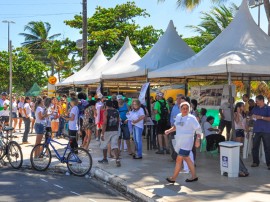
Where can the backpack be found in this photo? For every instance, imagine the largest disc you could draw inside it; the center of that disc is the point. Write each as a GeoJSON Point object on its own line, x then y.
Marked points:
{"type": "Point", "coordinates": [164, 112]}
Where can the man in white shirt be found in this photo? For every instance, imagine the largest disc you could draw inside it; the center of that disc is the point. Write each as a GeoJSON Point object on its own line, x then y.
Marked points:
{"type": "Point", "coordinates": [4, 108]}
{"type": "Point", "coordinates": [226, 118]}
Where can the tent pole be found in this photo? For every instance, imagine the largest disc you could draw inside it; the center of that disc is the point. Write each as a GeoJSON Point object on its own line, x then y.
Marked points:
{"type": "Point", "coordinates": [231, 102]}
{"type": "Point", "coordinates": [186, 87]}
{"type": "Point", "coordinates": [249, 87]}
{"type": "Point", "coordinates": [148, 105]}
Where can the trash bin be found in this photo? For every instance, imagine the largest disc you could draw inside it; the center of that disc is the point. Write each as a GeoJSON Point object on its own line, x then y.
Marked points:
{"type": "Point", "coordinates": [229, 158]}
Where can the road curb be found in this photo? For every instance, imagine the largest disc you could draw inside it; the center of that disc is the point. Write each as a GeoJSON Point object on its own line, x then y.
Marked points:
{"type": "Point", "coordinates": [121, 185]}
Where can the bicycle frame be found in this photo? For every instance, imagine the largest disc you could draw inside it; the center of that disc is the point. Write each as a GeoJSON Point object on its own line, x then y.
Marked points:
{"type": "Point", "coordinates": [62, 158]}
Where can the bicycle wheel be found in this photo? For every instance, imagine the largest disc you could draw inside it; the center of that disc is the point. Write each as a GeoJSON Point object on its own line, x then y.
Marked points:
{"type": "Point", "coordinates": [79, 162]}
{"type": "Point", "coordinates": [40, 157]}
{"type": "Point", "coordinates": [15, 156]}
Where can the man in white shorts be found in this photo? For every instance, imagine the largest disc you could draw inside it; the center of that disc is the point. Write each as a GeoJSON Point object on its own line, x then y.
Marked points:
{"type": "Point", "coordinates": [110, 133]}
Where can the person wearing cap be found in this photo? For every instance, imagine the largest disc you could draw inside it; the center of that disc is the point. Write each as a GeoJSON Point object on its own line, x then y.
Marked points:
{"type": "Point", "coordinates": [162, 110]}
{"type": "Point", "coordinates": [4, 108]}
{"type": "Point", "coordinates": [124, 133]}
{"type": "Point", "coordinates": [99, 114]}
{"type": "Point", "coordinates": [115, 102]}
{"type": "Point", "coordinates": [185, 126]}
{"type": "Point", "coordinates": [109, 133]}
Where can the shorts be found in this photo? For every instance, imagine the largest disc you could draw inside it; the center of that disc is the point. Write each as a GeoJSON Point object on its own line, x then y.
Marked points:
{"type": "Point", "coordinates": [33, 115]}
{"type": "Point", "coordinates": [39, 128]}
{"type": "Point", "coordinates": [183, 153]}
{"type": "Point", "coordinates": [239, 133]}
{"type": "Point", "coordinates": [20, 116]}
{"type": "Point", "coordinates": [161, 127]}
{"type": "Point", "coordinates": [14, 115]}
{"type": "Point", "coordinates": [124, 133]}
{"type": "Point", "coordinates": [5, 119]}
{"type": "Point", "coordinates": [110, 137]}
{"type": "Point", "coordinates": [72, 133]}
{"type": "Point", "coordinates": [223, 124]}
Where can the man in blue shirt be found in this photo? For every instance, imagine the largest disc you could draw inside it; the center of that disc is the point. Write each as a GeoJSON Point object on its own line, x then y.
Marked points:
{"type": "Point", "coordinates": [261, 130]}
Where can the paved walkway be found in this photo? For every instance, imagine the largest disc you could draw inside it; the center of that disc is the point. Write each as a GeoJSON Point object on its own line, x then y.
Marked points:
{"type": "Point", "coordinates": [147, 177]}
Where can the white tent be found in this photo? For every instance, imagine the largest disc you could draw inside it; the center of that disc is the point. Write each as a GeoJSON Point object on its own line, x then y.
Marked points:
{"type": "Point", "coordinates": [243, 46]}
{"type": "Point", "coordinates": [87, 71]}
{"type": "Point", "coordinates": [170, 48]}
{"type": "Point", "coordinates": [121, 60]}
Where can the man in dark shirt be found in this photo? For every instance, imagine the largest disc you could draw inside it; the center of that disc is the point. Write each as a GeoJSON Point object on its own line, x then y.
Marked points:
{"type": "Point", "coordinates": [261, 130]}
{"type": "Point", "coordinates": [110, 133]}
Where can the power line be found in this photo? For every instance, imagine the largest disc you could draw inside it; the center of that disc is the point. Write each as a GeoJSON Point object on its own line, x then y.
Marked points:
{"type": "Point", "coordinates": [38, 4]}
{"type": "Point", "coordinates": [39, 15]}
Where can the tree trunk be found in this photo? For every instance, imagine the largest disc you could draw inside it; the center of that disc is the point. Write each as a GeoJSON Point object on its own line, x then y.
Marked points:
{"type": "Point", "coordinates": [267, 11]}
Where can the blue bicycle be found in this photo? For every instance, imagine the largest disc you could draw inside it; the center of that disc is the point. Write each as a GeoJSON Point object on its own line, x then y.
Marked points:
{"type": "Point", "coordinates": [79, 161]}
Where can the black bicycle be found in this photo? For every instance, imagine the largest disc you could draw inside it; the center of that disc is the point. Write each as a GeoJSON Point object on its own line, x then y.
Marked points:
{"type": "Point", "coordinates": [9, 148]}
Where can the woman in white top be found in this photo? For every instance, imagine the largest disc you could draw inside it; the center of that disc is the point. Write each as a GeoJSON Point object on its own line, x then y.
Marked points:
{"type": "Point", "coordinates": [73, 122]}
{"type": "Point", "coordinates": [185, 126]}
{"type": "Point", "coordinates": [26, 119]}
{"type": "Point", "coordinates": [40, 119]}
{"type": "Point", "coordinates": [14, 113]}
{"type": "Point", "coordinates": [240, 121]}
{"type": "Point", "coordinates": [137, 119]}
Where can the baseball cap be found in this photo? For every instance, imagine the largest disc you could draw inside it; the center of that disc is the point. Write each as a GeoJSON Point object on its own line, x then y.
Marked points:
{"type": "Point", "coordinates": [4, 94]}
{"type": "Point", "coordinates": [160, 94]}
{"type": "Point", "coordinates": [119, 97]}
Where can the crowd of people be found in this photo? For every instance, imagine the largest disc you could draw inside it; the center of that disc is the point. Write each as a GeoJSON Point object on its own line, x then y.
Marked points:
{"type": "Point", "coordinates": [178, 125]}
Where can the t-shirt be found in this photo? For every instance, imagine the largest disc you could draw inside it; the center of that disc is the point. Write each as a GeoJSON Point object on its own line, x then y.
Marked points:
{"type": "Point", "coordinates": [20, 106]}
{"type": "Point", "coordinates": [123, 112]}
{"type": "Point", "coordinates": [112, 120]}
{"type": "Point", "coordinates": [246, 107]}
{"type": "Point", "coordinates": [158, 106]}
{"type": "Point", "coordinates": [63, 109]}
{"type": "Point", "coordinates": [4, 112]}
{"type": "Point", "coordinates": [226, 108]}
{"type": "Point", "coordinates": [73, 125]}
{"type": "Point", "coordinates": [261, 126]}
{"type": "Point", "coordinates": [135, 115]}
{"type": "Point", "coordinates": [206, 126]}
{"type": "Point", "coordinates": [99, 105]}
{"type": "Point", "coordinates": [27, 108]}
{"type": "Point", "coordinates": [185, 129]}
{"type": "Point", "coordinates": [39, 109]}
{"type": "Point", "coordinates": [14, 107]}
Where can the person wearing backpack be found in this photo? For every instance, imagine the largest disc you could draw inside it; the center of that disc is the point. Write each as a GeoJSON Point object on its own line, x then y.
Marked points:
{"type": "Point", "coordinates": [162, 110]}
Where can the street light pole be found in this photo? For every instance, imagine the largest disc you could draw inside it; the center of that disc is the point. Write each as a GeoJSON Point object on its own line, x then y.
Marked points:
{"type": "Point", "coordinates": [10, 70]}
{"type": "Point", "coordinates": [84, 33]}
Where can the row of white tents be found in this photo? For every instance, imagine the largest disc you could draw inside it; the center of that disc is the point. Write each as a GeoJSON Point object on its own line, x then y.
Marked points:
{"type": "Point", "coordinates": [242, 49]}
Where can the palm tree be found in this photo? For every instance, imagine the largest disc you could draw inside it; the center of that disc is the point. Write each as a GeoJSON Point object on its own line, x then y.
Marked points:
{"type": "Point", "coordinates": [191, 4]}
{"type": "Point", "coordinates": [38, 34]}
{"type": "Point", "coordinates": [214, 22]}
{"type": "Point", "coordinates": [37, 38]}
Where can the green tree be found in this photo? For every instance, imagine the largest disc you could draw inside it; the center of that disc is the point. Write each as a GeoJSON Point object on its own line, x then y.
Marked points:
{"type": "Point", "coordinates": [108, 28]}
{"type": "Point", "coordinates": [26, 70]}
{"type": "Point", "coordinates": [191, 4]}
{"type": "Point", "coordinates": [37, 38]}
{"type": "Point", "coordinates": [214, 22]}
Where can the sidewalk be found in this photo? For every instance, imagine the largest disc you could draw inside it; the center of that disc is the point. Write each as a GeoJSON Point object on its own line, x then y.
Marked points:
{"type": "Point", "coordinates": [145, 178]}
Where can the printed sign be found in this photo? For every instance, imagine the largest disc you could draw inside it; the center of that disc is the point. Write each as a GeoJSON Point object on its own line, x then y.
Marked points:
{"type": "Point", "coordinates": [143, 93]}
{"type": "Point", "coordinates": [211, 96]}
{"type": "Point", "coordinates": [225, 161]}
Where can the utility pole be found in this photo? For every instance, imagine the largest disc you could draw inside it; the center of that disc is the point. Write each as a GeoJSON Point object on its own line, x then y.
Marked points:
{"type": "Point", "coordinates": [10, 70]}
{"type": "Point", "coordinates": [84, 33]}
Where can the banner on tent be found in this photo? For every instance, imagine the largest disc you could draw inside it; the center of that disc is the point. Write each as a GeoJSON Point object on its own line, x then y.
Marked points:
{"type": "Point", "coordinates": [98, 91]}
{"type": "Point", "coordinates": [211, 96]}
{"type": "Point", "coordinates": [143, 93]}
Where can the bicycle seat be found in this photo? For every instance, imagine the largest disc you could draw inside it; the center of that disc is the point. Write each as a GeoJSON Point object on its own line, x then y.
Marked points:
{"type": "Point", "coordinates": [8, 128]}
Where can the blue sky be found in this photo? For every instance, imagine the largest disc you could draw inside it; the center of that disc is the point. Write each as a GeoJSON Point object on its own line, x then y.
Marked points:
{"type": "Point", "coordinates": [56, 11]}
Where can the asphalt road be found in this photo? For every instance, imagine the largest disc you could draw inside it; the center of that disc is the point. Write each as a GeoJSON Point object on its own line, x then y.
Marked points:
{"type": "Point", "coordinates": [27, 185]}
